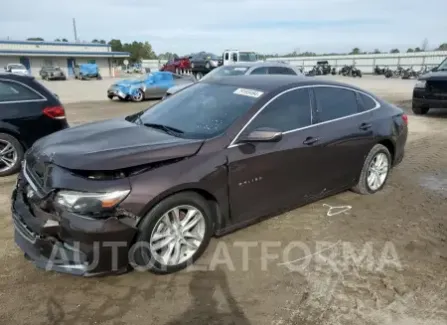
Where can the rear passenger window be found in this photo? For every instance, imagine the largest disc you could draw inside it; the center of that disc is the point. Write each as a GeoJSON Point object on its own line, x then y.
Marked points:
{"type": "Point", "coordinates": [281, 70]}
{"type": "Point", "coordinates": [334, 102]}
{"type": "Point", "coordinates": [366, 102]}
{"type": "Point", "coordinates": [12, 91]}
{"type": "Point", "coordinates": [289, 111]}
{"type": "Point", "coordinates": [259, 71]}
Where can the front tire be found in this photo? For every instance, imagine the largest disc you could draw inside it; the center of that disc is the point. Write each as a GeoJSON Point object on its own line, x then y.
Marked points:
{"type": "Point", "coordinates": [174, 234]}
{"type": "Point", "coordinates": [375, 171]}
{"type": "Point", "coordinates": [199, 75]}
{"type": "Point", "coordinates": [139, 96]}
{"type": "Point", "coordinates": [11, 154]}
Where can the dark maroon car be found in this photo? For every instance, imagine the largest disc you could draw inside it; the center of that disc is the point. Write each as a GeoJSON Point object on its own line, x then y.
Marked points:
{"type": "Point", "coordinates": [151, 189]}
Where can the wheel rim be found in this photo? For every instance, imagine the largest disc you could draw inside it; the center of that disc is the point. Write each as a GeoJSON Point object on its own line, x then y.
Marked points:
{"type": "Point", "coordinates": [378, 171]}
{"type": "Point", "coordinates": [138, 96]}
{"type": "Point", "coordinates": [8, 155]}
{"type": "Point", "coordinates": [177, 235]}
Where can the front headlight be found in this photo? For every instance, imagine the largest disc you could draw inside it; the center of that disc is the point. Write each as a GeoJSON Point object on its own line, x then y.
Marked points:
{"type": "Point", "coordinates": [214, 63]}
{"type": "Point", "coordinates": [89, 203]}
{"type": "Point", "coordinates": [420, 84]}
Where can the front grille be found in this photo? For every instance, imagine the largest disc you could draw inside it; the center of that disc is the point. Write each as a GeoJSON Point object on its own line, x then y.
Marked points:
{"type": "Point", "coordinates": [437, 86]}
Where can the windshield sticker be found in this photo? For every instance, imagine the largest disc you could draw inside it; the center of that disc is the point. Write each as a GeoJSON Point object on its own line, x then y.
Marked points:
{"type": "Point", "coordinates": [240, 69]}
{"type": "Point", "coordinates": [248, 92]}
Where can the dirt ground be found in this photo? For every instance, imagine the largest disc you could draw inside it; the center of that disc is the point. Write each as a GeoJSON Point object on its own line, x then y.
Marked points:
{"type": "Point", "coordinates": [373, 260]}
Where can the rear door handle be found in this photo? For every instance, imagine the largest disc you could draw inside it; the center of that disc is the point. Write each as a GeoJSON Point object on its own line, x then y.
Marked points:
{"type": "Point", "coordinates": [310, 140]}
{"type": "Point", "coordinates": [365, 126]}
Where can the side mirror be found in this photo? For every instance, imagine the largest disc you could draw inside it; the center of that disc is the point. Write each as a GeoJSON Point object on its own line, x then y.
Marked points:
{"type": "Point", "coordinates": [434, 69]}
{"type": "Point", "coordinates": [262, 135]}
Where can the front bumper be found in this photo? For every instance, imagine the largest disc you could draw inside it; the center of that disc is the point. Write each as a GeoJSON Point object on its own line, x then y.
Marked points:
{"type": "Point", "coordinates": [67, 242]}
{"type": "Point", "coordinates": [422, 98]}
{"type": "Point", "coordinates": [118, 93]}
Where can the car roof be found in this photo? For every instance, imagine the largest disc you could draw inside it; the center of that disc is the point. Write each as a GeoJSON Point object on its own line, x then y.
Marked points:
{"type": "Point", "coordinates": [262, 64]}
{"type": "Point", "coordinates": [19, 77]}
{"type": "Point", "coordinates": [270, 83]}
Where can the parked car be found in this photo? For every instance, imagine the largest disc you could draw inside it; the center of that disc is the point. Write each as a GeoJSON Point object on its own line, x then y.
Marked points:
{"type": "Point", "coordinates": [87, 71]}
{"type": "Point", "coordinates": [430, 90]}
{"type": "Point", "coordinates": [52, 73]}
{"type": "Point", "coordinates": [244, 68]}
{"type": "Point", "coordinates": [16, 68]}
{"type": "Point", "coordinates": [29, 112]}
{"type": "Point", "coordinates": [152, 85]}
{"type": "Point", "coordinates": [203, 62]}
{"type": "Point", "coordinates": [177, 65]}
{"type": "Point", "coordinates": [221, 154]}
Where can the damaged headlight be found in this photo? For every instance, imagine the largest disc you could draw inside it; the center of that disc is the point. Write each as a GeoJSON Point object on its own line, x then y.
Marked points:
{"type": "Point", "coordinates": [89, 203]}
{"type": "Point", "coordinates": [420, 84]}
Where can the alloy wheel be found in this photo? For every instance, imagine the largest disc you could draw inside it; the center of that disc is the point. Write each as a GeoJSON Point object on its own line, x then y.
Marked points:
{"type": "Point", "coordinates": [378, 171]}
{"type": "Point", "coordinates": [138, 97]}
{"type": "Point", "coordinates": [8, 155]}
{"type": "Point", "coordinates": [177, 235]}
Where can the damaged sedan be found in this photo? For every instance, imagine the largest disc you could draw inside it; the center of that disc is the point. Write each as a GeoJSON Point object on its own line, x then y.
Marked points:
{"type": "Point", "coordinates": [150, 190]}
{"type": "Point", "coordinates": [149, 86]}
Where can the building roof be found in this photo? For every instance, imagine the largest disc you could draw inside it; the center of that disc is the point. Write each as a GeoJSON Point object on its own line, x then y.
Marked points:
{"type": "Point", "coordinates": [64, 53]}
{"type": "Point", "coordinates": [54, 43]}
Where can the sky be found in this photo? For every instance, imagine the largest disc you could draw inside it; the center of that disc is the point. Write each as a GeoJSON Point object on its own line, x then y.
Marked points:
{"type": "Point", "coordinates": [265, 26]}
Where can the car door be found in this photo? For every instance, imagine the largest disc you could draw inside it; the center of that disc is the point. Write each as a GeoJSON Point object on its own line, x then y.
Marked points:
{"type": "Point", "coordinates": [265, 177]}
{"type": "Point", "coordinates": [345, 133]}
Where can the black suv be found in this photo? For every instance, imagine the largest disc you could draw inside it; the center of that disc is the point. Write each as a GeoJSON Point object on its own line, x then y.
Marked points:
{"type": "Point", "coordinates": [430, 90]}
{"type": "Point", "coordinates": [29, 111]}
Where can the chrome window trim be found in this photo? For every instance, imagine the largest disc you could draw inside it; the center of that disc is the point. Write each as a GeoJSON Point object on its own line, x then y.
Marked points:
{"type": "Point", "coordinates": [234, 143]}
{"type": "Point", "coordinates": [42, 97]}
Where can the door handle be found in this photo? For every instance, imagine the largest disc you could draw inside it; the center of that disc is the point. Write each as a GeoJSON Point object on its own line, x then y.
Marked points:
{"type": "Point", "coordinates": [365, 126]}
{"type": "Point", "coordinates": [310, 140]}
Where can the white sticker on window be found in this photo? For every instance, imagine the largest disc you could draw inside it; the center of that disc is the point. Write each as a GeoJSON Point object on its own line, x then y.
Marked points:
{"type": "Point", "coordinates": [240, 69]}
{"type": "Point", "coordinates": [248, 92]}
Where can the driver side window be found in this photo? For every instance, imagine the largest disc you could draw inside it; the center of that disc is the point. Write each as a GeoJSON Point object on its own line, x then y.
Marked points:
{"type": "Point", "coordinates": [287, 112]}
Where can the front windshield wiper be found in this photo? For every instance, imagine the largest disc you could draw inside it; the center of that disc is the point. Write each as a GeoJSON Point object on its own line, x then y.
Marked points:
{"type": "Point", "coordinates": [166, 128]}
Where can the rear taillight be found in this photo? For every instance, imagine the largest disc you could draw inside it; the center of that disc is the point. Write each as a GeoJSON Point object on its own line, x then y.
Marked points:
{"type": "Point", "coordinates": [55, 112]}
{"type": "Point", "coordinates": [405, 118]}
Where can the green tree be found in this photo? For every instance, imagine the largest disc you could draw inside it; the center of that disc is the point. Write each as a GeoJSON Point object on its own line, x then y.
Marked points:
{"type": "Point", "coordinates": [57, 40]}
{"type": "Point", "coordinates": [116, 45]}
{"type": "Point", "coordinates": [395, 51]}
{"type": "Point", "coordinates": [417, 49]}
{"type": "Point", "coordinates": [35, 39]}
{"type": "Point", "coordinates": [410, 50]}
{"type": "Point", "coordinates": [442, 47]}
{"type": "Point", "coordinates": [376, 51]}
{"type": "Point", "coordinates": [355, 50]}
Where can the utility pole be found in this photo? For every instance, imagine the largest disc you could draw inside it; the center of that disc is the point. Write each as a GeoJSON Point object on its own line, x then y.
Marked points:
{"type": "Point", "coordinates": [74, 30]}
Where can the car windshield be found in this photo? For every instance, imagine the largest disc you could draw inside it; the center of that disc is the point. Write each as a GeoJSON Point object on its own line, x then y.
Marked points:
{"type": "Point", "coordinates": [226, 71]}
{"type": "Point", "coordinates": [442, 66]}
{"type": "Point", "coordinates": [145, 77]}
{"type": "Point", "coordinates": [248, 57]}
{"type": "Point", "coordinates": [201, 111]}
{"type": "Point", "coordinates": [16, 66]}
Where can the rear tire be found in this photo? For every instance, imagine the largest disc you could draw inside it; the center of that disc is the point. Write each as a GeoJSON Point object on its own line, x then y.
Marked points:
{"type": "Point", "coordinates": [149, 226]}
{"type": "Point", "coordinates": [369, 171]}
{"type": "Point", "coordinates": [420, 110]}
{"type": "Point", "coordinates": [13, 156]}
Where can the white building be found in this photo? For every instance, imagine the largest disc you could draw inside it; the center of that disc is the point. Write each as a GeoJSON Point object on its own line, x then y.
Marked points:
{"type": "Point", "coordinates": [34, 55]}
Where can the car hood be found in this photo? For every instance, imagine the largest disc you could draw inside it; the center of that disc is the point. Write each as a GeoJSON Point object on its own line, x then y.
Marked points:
{"type": "Point", "coordinates": [111, 145]}
{"type": "Point", "coordinates": [436, 75]}
{"type": "Point", "coordinates": [177, 88]}
{"type": "Point", "coordinates": [127, 82]}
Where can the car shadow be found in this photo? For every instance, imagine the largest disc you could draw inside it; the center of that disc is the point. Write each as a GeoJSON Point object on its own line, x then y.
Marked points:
{"type": "Point", "coordinates": [204, 306]}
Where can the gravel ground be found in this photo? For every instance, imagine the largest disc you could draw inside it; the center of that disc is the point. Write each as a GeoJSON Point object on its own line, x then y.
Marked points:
{"type": "Point", "coordinates": [379, 260]}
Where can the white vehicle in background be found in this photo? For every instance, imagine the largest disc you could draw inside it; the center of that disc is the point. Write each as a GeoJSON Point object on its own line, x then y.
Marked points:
{"type": "Point", "coordinates": [16, 68]}
{"type": "Point", "coordinates": [236, 56]}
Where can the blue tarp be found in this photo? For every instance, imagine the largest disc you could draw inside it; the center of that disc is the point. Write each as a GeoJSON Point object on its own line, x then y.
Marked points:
{"type": "Point", "coordinates": [88, 69]}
